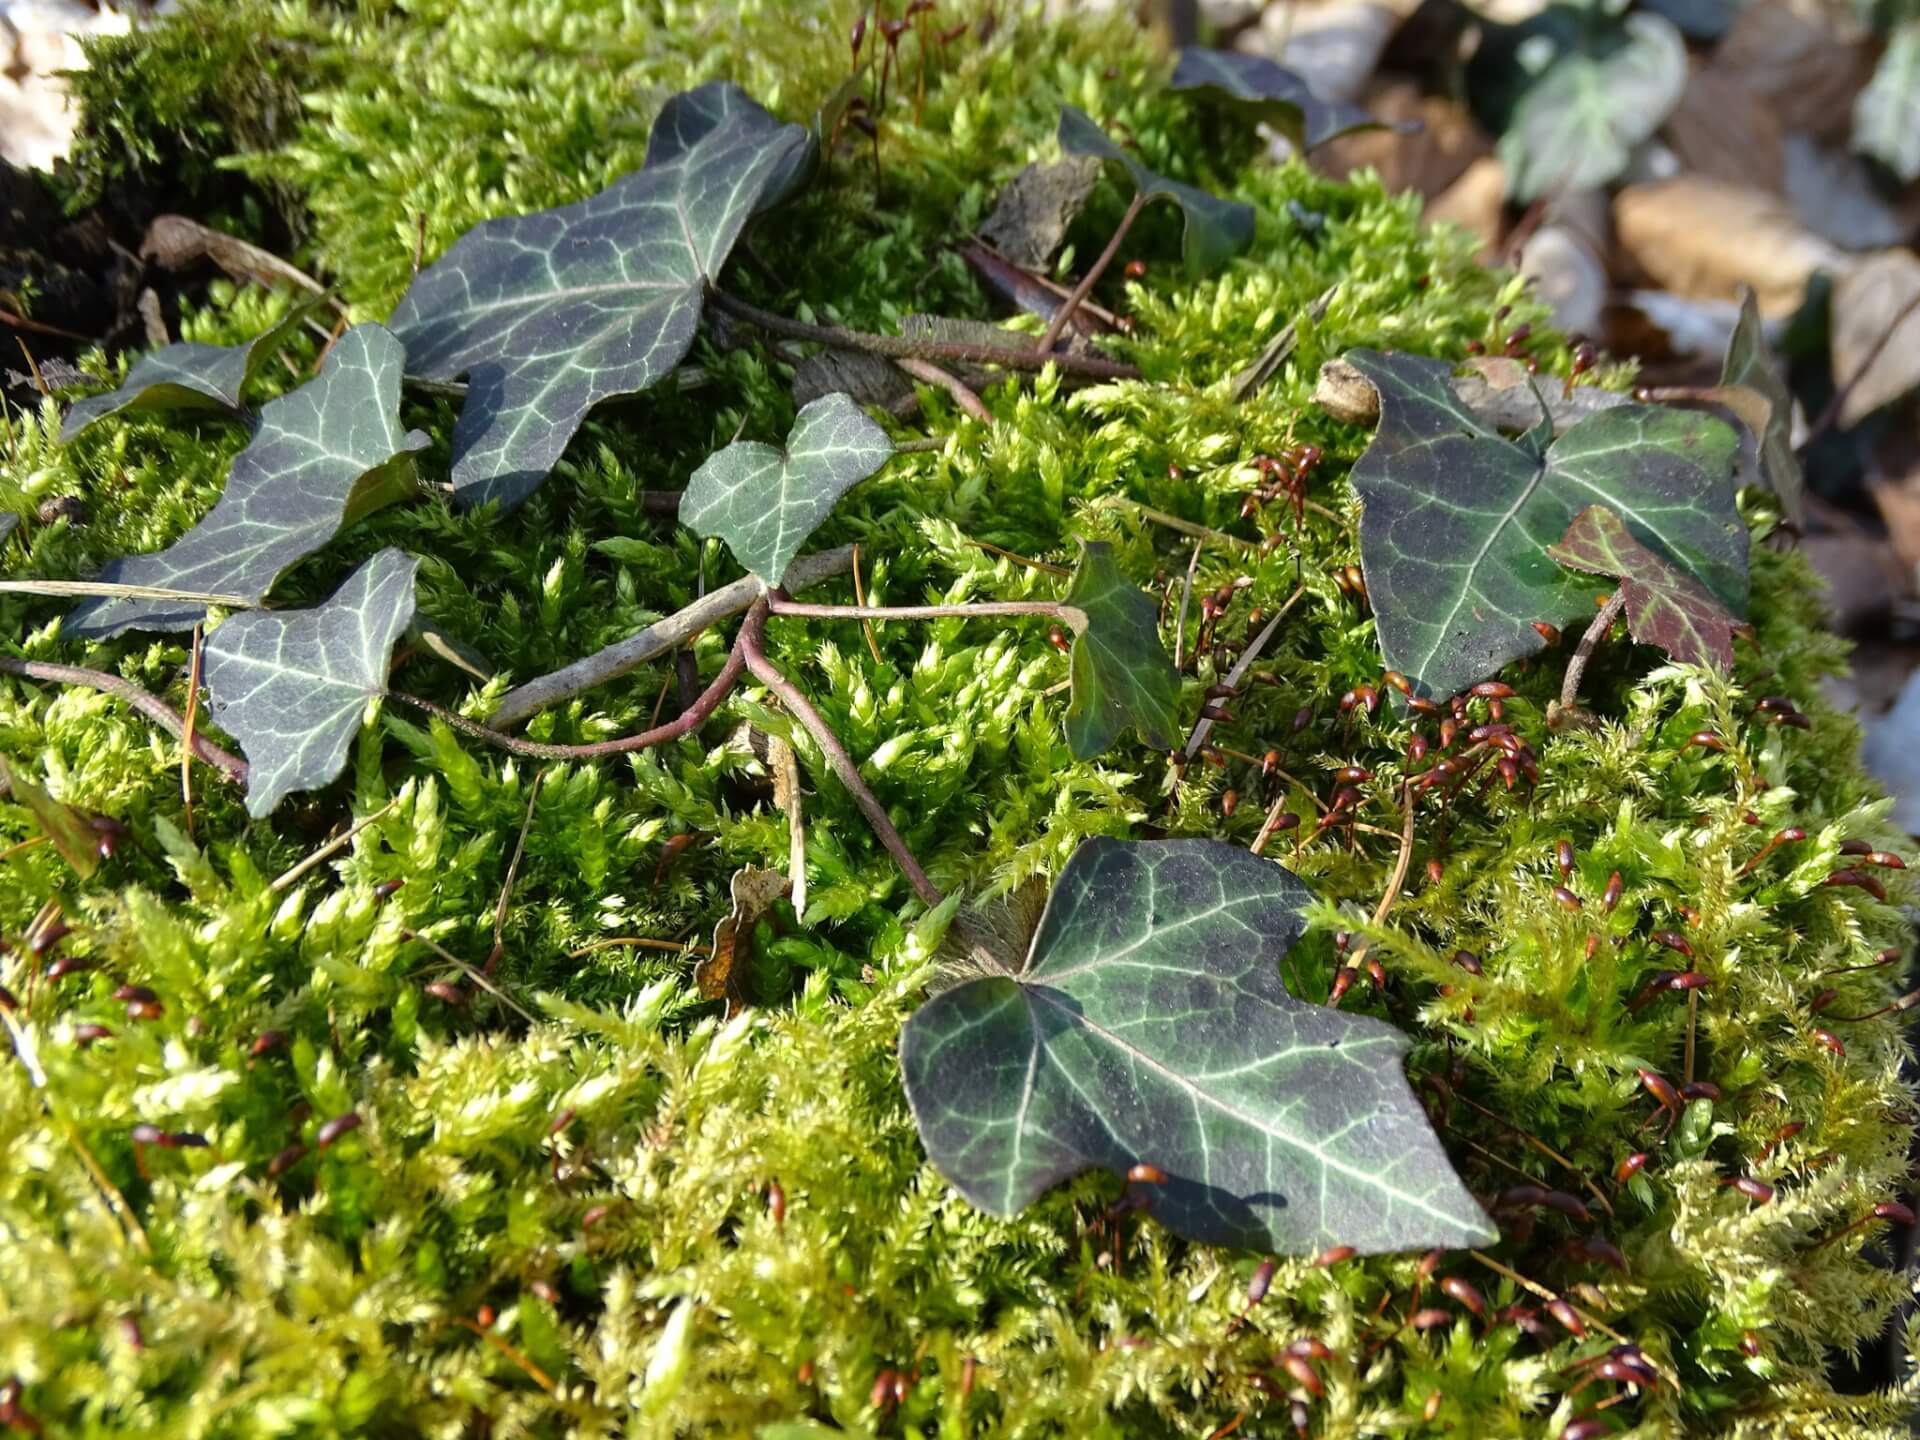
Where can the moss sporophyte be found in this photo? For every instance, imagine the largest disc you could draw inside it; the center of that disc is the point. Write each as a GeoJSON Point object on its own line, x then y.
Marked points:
{"type": "Point", "coordinates": [764, 854]}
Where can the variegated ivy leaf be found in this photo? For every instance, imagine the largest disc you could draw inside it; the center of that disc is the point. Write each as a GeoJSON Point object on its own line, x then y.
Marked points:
{"type": "Point", "coordinates": [1456, 519]}
{"type": "Point", "coordinates": [323, 457]}
{"type": "Point", "coordinates": [188, 376]}
{"type": "Point", "coordinates": [1664, 606]}
{"type": "Point", "coordinates": [765, 502]}
{"type": "Point", "coordinates": [1886, 115]}
{"type": "Point", "coordinates": [293, 685]}
{"type": "Point", "coordinates": [549, 313]}
{"type": "Point", "coordinates": [1273, 95]}
{"type": "Point", "coordinates": [1750, 364]}
{"type": "Point", "coordinates": [1147, 1024]}
{"type": "Point", "coordinates": [1121, 673]}
{"type": "Point", "coordinates": [1217, 230]}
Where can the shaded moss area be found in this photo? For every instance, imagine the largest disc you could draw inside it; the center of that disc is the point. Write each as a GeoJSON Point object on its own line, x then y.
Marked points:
{"type": "Point", "coordinates": [580, 1166]}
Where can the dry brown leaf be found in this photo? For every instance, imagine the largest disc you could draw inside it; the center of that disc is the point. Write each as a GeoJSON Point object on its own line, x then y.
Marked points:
{"type": "Point", "coordinates": [1722, 130]}
{"type": "Point", "coordinates": [1566, 260]}
{"type": "Point", "coordinates": [1700, 239]}
{"type": "Point", "coordinates": [1803, 60]}
{"type": "Point", "coordinates": [721, 975]}
{"type": "Point", "coordinates": [1428, 160]}
{"type": "Point", "coordinates": [1834, 195]}
{"type": "Point", "coordinates": [1893, 479]}
{"type": "Point", "coordinates": [1476, 202]}
{"type": "Point", "coordinates": [1877, 368]}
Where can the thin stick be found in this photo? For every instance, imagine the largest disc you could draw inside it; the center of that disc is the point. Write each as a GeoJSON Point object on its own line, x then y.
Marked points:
{"type": "Point", "coordinates": [1188, 527]}
{"type": "Point", "coordinates": [331, 848]}
{"type": "Point", "coordinates": [641, 942]}
{"type": "Point", "coordinates": [684, 723]}
{"type": "Point", "coordinates": [150, 705]}
{"type": "Point", "coordinates": [661, 636]}
{"type": "Point", "coordinates": [68, 589]}
{"type": "Point", "coordinates": [1204, 727]}
{"type": "Point", "coordinates": [1271, 825]}
{"type": "Point", "coordinates": [1583, 652]}
{"type": "Point", "coordinates": [186, 729]}
{"type": "Point", "coordinates": [1094, 272]}
{"type": "Point", "coordinates": [962, 393]}
{"type": "Point", "coordinates": [513, 865]}
{"type": "Point", "coordinates": [866, 626]}
{"type": "Point", "coordinates": [1541, 1292]}
{"type": "Point", "coordinates": [1693, 1019]}
{"type": "Point", "coordinates": [1186, 594]}
{"type": "Point", "coordinates": [39, 380]}
{"type": "Point", "coordinates": [1538, 1144]}
{"type": "Point", "coordinates": [898, 347]}
{"type": "Point", "coordinates": [1018, 559]}
{"type": "Point", "coordinates": [770, 675]}
{"type": "Point", "coordinates": [778, 605]}
{"type": "Point", "coordinates": [35, 327]}
{"type": "Point", "coordinates": [1397, 879]}
{"type": "Point", "coordinates": [472, 974]}
{"type": "Point", "coordinates": [786, 795]}
{"type": "Point", "coordinates": [116, 1202]}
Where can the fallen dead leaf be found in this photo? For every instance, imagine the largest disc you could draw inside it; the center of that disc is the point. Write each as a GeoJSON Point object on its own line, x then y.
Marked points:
{"type": "Point", "coordinates": [1031, 215]}
{"type": "Point", "coordinates": [1428, 159]}
{"type": "Point", "coordinates": [1476, 202]}
{"type": "Point", "coordinates": [1566, 260]}
{"type": "Point", "coordinates": [1804, 59]}
{"type": "Point", "coordinates": [1833, 193]}
{"type": "Point", "coordinates": [721, 975]}
{"type": "Point", "coordinates": [1700, 238]}
{"type": "Point", "coordinates": [1723, 130]}
{"type": "Point", "coordinates": [1877, 368]}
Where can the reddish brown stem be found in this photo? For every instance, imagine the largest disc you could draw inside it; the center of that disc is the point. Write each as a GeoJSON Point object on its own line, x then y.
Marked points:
{"type": "Point", "coordinates": [149, 705]}
{"type": "Point", "coordinates": [770, 675]}
{"type": "Point", "coordinates": [683, 724]}
{"type": "Point", "coordinates": [1064, 314]}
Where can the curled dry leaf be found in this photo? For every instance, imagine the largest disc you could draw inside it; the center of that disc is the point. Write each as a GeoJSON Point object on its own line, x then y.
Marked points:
{"type": "Point", "coordinates": [1877, 368]}
{"type": "Point", "coordinates": [1032, 214]}
{"type": "Point", "coordinates": [722, 974]}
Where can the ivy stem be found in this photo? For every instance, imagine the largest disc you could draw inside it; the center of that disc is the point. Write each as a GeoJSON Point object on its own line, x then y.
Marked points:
{"type": "Point", "coordinates": [660, 637]}
{"type": "Point", "coordinates": [901, 347]}
{"type": "Point", "coordinates": [148, 704]}
{"type": "Point", "coordinates": [770, 675]}
{"type": "Point", "coordinates": [1589, 642]}
{"type": "Point", "coordinates": [779, 605]}
{"type": "Point", "coordinates": [1064, 314]}
{"type": "Point", "coordinates": [684, 723]}
{"type": "Point", "coordinates": [963, 394]}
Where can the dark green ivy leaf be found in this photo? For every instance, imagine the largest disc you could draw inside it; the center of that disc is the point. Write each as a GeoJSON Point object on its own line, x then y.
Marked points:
{"type": "Point", "coordinates": [1217, 230]}
{"type": "Point", "coordinates": [1148, 1024]}
{"type": "Point", "coordinates": [1456, 519]}
{"type": "Point", "coordinates": [1121, 674]}
{"type": "Point", "coordinates": [1274, 95]}
{"type": "Point", "coordinates": [188, 376]}
{"type": "Point", "coordinates": [292, 686]}
{"type": "Point", "coordinates": [323, 457]}
{"type": "Point", "coordinates": [1664, 606]}
{"type": "Point", "coordinates": [1750, 364]}
{"type": "Point", "coordinates": [549, 313]}
{"type": "Point", "coordinates": [1577, 122]}
{"type": "Point", "coordinates": [765, 501]}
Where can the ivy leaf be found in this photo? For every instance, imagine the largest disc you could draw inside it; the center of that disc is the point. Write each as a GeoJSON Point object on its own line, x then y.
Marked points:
{"type": "Point", "coordinates": [188, 376]}
{"type": "Point", "coordinates": [1120, 672]}
{"type": "Point", "coordinates": [549, 313]}
{"type": "Point", "coordinates": [1148, 1025]}
{"type": "Point", "coordinates": [1575, 126]}
{"type": "Point", "coordinates": [1273, 95]}
{"type": "Point", "coordinates": [1217, 230]}
{"type": "Point", "coordinates": [1456, 519]}
{"type": "Point", "coordinates": [1750, 364]}
{"type": "Point", "coordinates": [65, 827]}
{"type": "Point", "coordinates": [765, 502]}
{"type": "Point", "coordinates": [324, 456]}
{"type": "Point", "coordinates": [1886, 115]}
{"type": "Point", "coordinates": [1665, 607]}
{"type": "Point", "coordinates": [292, 686]}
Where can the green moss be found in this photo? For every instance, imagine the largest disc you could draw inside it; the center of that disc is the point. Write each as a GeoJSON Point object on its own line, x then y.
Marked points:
{"type": "Point", "coordinates": [639, 1282]}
